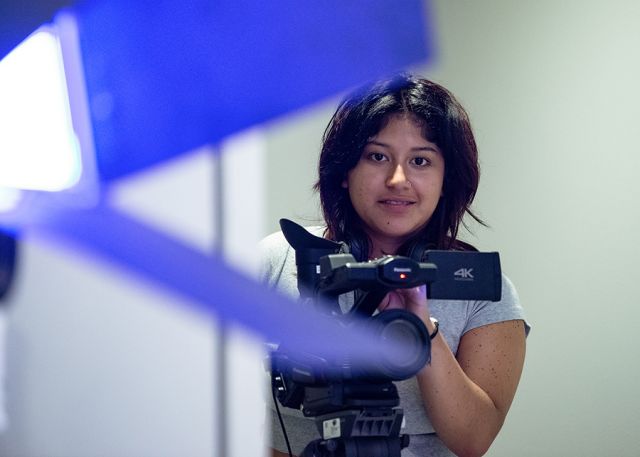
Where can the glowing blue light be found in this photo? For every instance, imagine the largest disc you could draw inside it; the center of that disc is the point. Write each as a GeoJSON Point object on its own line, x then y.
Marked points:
{"type": "Point", "coordinates": [38, 147]}
{"type": "Point", "coordinates": [9, 198]}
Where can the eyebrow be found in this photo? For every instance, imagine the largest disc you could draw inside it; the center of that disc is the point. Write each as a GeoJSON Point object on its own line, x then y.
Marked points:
{"type": "Point", "coordinates": [385, 145]}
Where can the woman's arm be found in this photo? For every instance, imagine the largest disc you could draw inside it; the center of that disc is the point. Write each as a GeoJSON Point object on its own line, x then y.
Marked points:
{"type": "Point", "coordinates": [467, 398]}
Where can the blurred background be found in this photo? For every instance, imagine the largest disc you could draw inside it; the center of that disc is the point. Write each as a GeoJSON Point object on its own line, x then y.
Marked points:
{"type": "Point", "coordinates": [551, 88]}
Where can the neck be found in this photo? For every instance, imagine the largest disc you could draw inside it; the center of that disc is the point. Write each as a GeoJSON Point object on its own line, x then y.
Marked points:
{"type": "Point", "coordinates": [380, 248]}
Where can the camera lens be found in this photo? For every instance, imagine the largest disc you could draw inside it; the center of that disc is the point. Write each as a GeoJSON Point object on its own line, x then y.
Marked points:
{"type": "Point", "coordinates": [408, 346]}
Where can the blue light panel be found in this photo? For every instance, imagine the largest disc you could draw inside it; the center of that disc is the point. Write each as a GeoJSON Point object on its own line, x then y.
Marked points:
{"type": "Point", "coordinates": [166, 77]}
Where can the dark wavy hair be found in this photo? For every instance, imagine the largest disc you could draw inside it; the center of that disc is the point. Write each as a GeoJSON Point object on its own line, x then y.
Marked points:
{"type": "Point", "coordinates": [361, 116]}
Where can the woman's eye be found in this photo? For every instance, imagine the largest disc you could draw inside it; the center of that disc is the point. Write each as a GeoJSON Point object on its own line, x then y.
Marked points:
{"type": "Point", "coordinates": [420, 161]}
{"type": "Point", "coordinates": [377, 157]}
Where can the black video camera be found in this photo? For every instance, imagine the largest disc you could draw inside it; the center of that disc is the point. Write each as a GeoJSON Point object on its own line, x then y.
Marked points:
{"type": "Point", "coordinates": [355, 404]}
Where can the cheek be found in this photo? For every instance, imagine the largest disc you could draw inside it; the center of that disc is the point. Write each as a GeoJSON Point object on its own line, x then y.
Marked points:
{"type": "Point", "coordinates": [353, 183]}
{"type": "Point", "coordinates": [436, 189]}
{"type": "Point", "coordinates": [358, 196]}
{"type": "Point", "coordinates": [434, 186]}
{"type": "Point", "coordinates": [362, 186]}
{"type": "Point", "coordinates": [355, 195]}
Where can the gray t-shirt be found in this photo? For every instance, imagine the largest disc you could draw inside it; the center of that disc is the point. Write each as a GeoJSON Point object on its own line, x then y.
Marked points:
{"type": "Point", "coordinates": [456, 317]}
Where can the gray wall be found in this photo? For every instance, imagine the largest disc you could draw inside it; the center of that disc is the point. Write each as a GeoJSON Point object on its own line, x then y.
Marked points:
{"type": "Point", "coordinates": [552, 90]}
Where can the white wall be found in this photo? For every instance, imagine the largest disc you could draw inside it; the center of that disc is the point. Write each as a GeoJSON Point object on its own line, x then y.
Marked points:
{"type": "Point", "coordinates": [100, 363]}
{"type": "Point", "coordinates": [103, 364]}
{"type": "Point", "coordinates": [293, 147]}
{"type": "Point", "coordinates": [552, 89]}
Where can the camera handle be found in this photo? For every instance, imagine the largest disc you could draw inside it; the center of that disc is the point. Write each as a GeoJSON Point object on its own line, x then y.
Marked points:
{"type": "Point", "coordinates": [367, 301]}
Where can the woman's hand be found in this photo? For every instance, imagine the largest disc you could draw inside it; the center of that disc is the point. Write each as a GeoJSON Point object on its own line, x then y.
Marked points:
{"type": "Point", "coordinates": [413, 300]}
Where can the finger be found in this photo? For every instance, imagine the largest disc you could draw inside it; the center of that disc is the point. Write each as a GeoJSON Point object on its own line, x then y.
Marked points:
{"type": "Point", "coordinates": [413, 293]}
{"type": "Point", "coordinates": [392, 300]}
{"type": "Point", "coordinates": [384, 303]}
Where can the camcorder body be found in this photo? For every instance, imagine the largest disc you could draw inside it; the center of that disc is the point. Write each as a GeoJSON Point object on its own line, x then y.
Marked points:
{"type": "Point", "coordinates": [355, 405]}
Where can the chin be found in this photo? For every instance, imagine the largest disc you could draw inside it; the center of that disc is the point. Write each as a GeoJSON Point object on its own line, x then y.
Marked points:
{"type": "Point", "coordinates": [400, 233]}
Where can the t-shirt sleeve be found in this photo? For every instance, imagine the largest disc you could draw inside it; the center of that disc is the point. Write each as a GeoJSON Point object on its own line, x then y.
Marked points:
{"type": "Point", "coordinates": [488, 312]}
{"type": "Point", "coordinates": [273, 252]}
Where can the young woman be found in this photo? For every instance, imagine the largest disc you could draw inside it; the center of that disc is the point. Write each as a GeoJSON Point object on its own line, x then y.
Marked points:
{"type": "Point", "coordinates": [397, 173]}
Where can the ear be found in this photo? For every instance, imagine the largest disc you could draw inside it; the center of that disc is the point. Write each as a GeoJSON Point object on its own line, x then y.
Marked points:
{"type": "Point", "coordinates": [345, 184]}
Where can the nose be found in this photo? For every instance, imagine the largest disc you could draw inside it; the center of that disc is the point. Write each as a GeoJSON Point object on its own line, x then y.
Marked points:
{"type": "Point", "coordinates": [398, 177]}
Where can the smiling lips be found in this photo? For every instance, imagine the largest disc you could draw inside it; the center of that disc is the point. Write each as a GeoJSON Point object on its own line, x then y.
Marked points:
{"type": "Point", "coordinates": [397, 203]}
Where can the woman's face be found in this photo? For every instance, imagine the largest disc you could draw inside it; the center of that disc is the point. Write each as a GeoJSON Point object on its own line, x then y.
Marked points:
{"type": "Point", "coordinates": [397, 183]}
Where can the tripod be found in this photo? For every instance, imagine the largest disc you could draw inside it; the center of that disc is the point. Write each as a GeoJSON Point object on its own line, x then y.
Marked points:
{"type": "Point", "coordinates": [367, 423]}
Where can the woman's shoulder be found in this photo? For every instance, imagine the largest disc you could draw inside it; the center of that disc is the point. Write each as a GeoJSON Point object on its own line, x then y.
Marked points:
{"type": "Point", "coordinates": [509, 307]}
{"type": "Point", "coordinates": [273, 251]}
{"type": "Point", "coordinates": [272, 243]}
{"type": "Point", "coordinates": [277, 243]}
{"type": "Point", "coordinates": [277, 256]}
